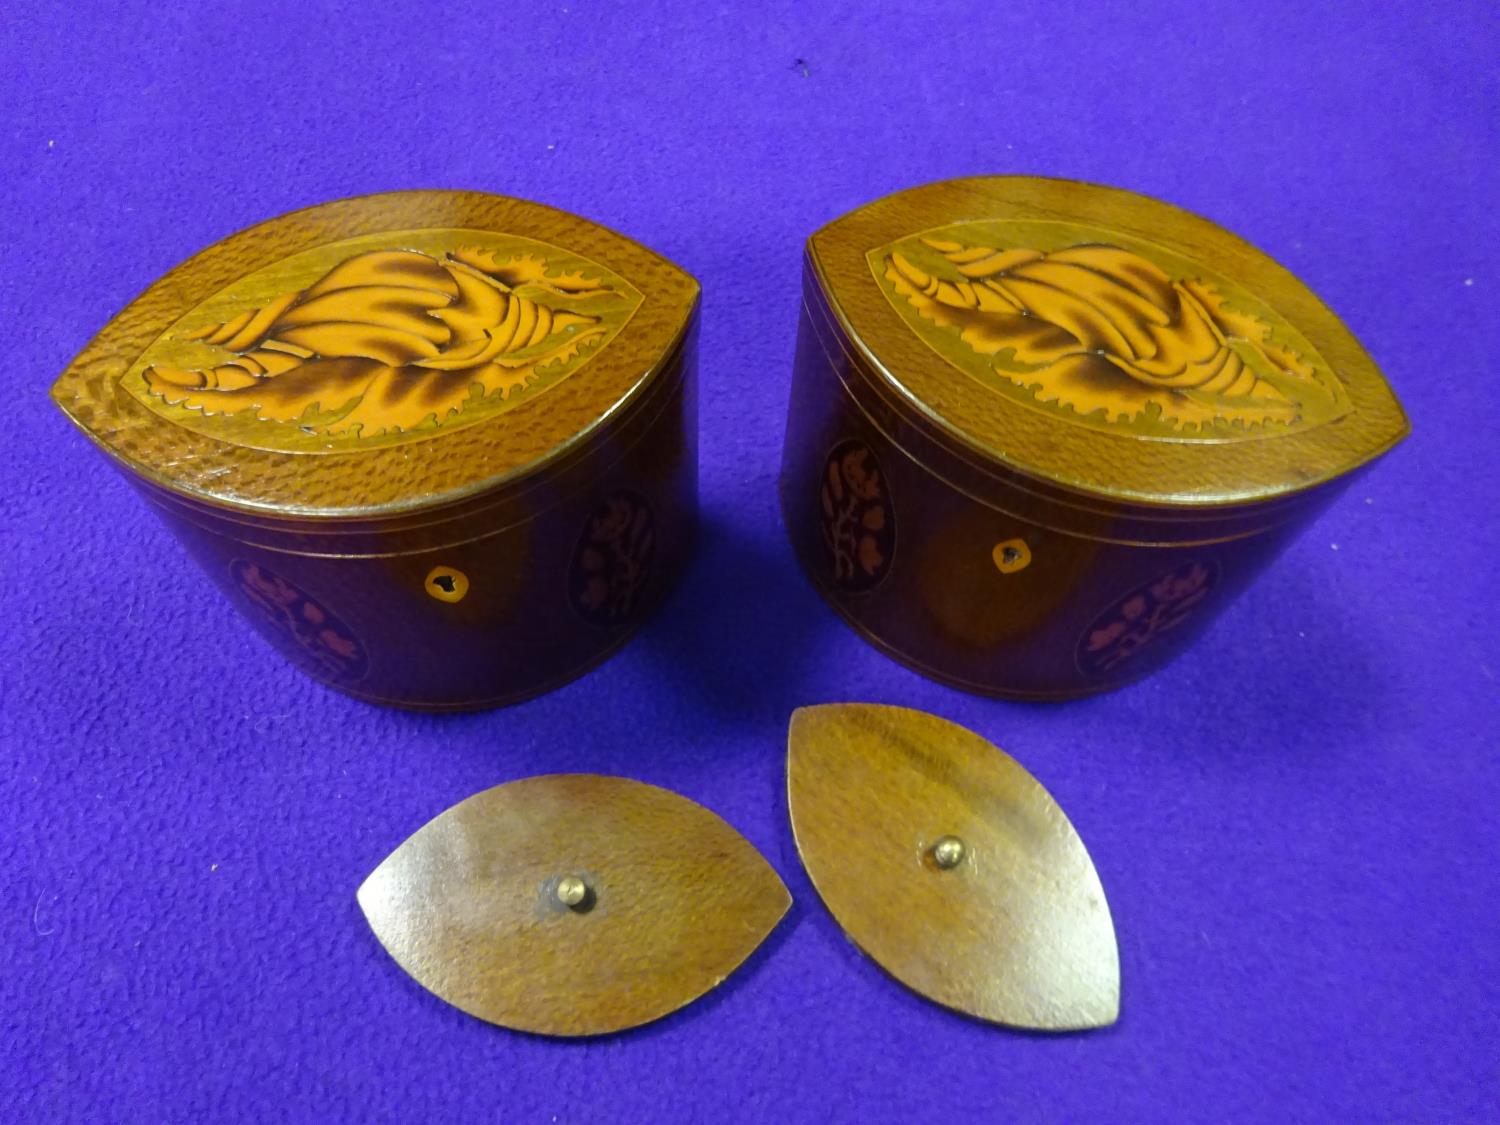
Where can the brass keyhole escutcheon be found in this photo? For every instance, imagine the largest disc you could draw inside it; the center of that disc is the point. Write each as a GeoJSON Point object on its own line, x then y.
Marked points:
{"type": "Point", "coordinates": [447, 584]}
{"type": "Point", "coordinates": [1011, 556]}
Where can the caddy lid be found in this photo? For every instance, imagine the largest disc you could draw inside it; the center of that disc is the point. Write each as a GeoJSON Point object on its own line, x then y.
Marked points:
{"type": "Point", "coordinates": [1100, 341]}
{"type": "Point", "coordinates": [573, 904]}
{"type": "Point", "coordinates": [951, 866]}
{"type": "Point", "coordinates": [380, 354]}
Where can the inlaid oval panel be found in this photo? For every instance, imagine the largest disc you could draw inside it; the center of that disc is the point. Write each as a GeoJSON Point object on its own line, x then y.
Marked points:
{"type": "Point", "coordinates": [612, 561]}
{"type": "Point", "coordinates": [1144, 615]}
{"type": "Point", "coordinates": [382, 339]}
{"type": "Point", "coordinates": [858, 517]}
{"type": "Point", "coordinates": [327, 645]}
{"type": "Point", "coordinates": [1107, 330]}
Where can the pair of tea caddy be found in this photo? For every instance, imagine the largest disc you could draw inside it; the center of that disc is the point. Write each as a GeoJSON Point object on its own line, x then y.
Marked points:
{"type": "Point", "coordinates": [440, 448]}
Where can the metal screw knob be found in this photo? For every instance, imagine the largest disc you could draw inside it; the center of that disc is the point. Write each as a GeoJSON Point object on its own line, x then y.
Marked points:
{"type": "Point", "coordinates": [572, 891]}
{"type": "Point", "coordinates": [948, 852]}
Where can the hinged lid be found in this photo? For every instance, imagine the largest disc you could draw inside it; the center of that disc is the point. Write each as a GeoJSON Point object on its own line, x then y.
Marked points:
{"type": "Point", "coordinates": [379, 354]}
{"type": "Point", "coordinates": [1100, 341]}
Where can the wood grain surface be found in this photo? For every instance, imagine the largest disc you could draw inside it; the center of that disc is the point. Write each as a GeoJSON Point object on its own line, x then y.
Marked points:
{"type": "Point", "coordinates": [676, 899]}
{"type": "Point", "coordinates": [1017, 932]}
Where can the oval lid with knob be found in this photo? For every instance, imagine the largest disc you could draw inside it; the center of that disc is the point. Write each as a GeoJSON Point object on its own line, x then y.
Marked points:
{"type": "Point", "coordinates": [382, 353]}
{"type": "Point", "coordinates": [1099, 342]}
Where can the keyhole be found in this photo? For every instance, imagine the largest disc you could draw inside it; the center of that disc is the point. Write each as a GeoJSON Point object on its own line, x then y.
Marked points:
{"type": "Point", "coordinates": [447, 584]}
{"type": "Point", "coordinates": [1011, 556]}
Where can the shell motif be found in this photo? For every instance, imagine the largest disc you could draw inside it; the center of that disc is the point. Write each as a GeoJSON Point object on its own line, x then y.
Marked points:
{"type": "Point", "coordinates": [386, 341]}
{"type": "Point", "coordinates": [1015, 931]}
{"type": "Point", "coordinates": [1098, 329]}
{"type": "Point", "coordinates": [573, 904]}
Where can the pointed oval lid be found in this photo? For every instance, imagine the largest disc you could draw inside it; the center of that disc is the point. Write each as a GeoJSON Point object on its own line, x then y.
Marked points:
{"type": "Point", "coordinates": [573, 904]}
{"type": "Point", "coordinates": [951, 866]}
{"type": "Point", "coordinates": [1100, 341]}
{"type": "Point", "coordinates": [382, 353]}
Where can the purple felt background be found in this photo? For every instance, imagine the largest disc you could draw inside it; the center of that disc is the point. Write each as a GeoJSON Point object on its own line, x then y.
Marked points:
{"type": "Point", "coordinates": [1295, 824]}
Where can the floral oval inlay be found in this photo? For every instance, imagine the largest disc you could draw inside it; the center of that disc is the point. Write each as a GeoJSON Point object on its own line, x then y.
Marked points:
{"type": "Point", "coordinates": [612, 561]}
{"type": "Point", "coordinates": [858, 519]}
{"type": "Point", "coordinates": [1142, 616]}
{"type": "Point", "coordinates": [330, 646]}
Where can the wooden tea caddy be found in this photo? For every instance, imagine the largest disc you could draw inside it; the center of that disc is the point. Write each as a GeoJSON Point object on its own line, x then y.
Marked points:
{"type": "Point", "coordinates": [1041, 432]}
{"type": "Point", "coordinates": [438, 446]}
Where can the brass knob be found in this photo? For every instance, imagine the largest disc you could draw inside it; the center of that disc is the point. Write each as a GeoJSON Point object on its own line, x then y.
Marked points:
{"type": "Point", "coordinates": [948, 852]}
{"type": "Point", "coordinates": [572, 891]}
